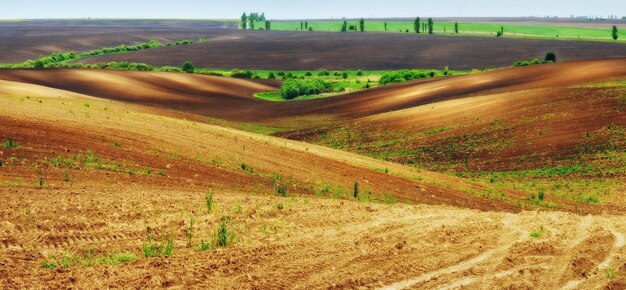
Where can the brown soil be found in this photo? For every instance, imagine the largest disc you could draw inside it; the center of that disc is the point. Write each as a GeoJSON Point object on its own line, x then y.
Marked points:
{"type": "Point", "coordinates": [293, 50]}
{"type": "Point", "coordinates": [410, 228]}
{"type": "Point", "coordinates": [28, 39]}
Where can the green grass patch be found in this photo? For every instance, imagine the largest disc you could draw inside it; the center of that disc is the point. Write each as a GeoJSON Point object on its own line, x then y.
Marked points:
{"type": "Point", "coordinates": [465, 28]}
{"type": "Point", "coordinates": [69, 260]}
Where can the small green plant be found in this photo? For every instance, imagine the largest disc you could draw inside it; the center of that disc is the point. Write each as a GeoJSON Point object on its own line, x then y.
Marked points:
{"type": "Point", "coordinates": [538, 233]}
{"type": "Point", "coordinates": [355, 192]}
{"type": "Point", "coordinates": [9, 143]}
{"type": "Point", "coordinates": [153, 249]}
{"type": "Point", "coordinates": [246, 168]}
{"type": "Point", "coordinates": [160, 172]}
{"type": "Point", "coordinates": [282, 191]}
{"type": "Point", "coordinates": [56, 161]}
{"type": "Point", "coordinates": [610, 273]}
{"type": "Point", "coordinates": [540, 195]}
{"type": "Point", "coordinates": [205, 246]}
{"type": "Point", "coordinates": [280, 206]}
{"type": "Point", "coordinates": [118, 144]}
{"type": "Point", "coordinates": [224, 235]}
{"type": "Point", "coordinates": [169, 248]}
{"type": "Point", "coordinates": [49, 265]}
{"type": "Point", "coordinates": [209, 202]}
{"type": "Point", "coordinates": [66, 177]}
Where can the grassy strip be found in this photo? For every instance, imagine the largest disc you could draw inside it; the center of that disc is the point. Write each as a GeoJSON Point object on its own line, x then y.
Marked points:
{"type": "Point", "coordinates": [465, 28]}
{"type": "Point", "coordinates": [58, 59]}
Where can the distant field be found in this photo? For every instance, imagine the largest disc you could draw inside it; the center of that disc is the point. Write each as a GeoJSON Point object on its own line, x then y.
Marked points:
{"type": "Point", "coordinates": [465, 28]}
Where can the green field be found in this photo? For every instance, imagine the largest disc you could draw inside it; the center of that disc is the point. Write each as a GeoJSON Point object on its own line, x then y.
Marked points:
{"type": "Point", "coordinates": [480, 29]}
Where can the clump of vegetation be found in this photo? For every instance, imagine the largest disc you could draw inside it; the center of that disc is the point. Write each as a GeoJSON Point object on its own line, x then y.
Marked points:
{"type": "Point", "coordinates": [407, 75]}
{"type": "Point", "coordinates": [188, 67]}
{"type": "Point", "coordinates": [205, 246]}
{"type": "Point", "coordinates": [160, 249]}
{"type": "Point", "coordinates": [224, 236]}
{"type": "Point", "coordinates": [242, 74]}
{"type": "Point", "coordinates": [538, 233]}
{"type": "Point", "coordinates": [247, 168]}
{"type": "Point", "coordinates": [293, 88]}
{"type": "Point", "coordinates": [550, 57]}
{"type": "Point", "coordinates": [281, 190]}
{"type": "Point", "coordinates": [88, 260]}
{"type": "Point", "coordinates": [355, 191]}
{"type": "Point", "coordinates": [527, 62]}
{"type": "Point", "coordinates": [9, 143]}
{"type": "Point", "coordinates": [209, 202]}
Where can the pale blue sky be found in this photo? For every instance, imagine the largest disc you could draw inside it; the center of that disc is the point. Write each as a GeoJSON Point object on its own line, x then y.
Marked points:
{"type": "Point", "coordinates": [285, 9]}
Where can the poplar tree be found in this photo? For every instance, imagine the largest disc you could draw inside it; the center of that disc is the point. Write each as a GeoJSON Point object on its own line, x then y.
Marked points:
{"type": "Point", "coordinates": [416, 25]}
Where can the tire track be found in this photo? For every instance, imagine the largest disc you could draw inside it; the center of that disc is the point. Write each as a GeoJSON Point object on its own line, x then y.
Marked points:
{"type": "Point", "coordinates": [503, 247]}
{"type": "Point", "coordinates": [606, 263]}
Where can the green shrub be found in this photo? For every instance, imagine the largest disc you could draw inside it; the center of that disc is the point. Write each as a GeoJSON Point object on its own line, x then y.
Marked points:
{"type": "Point", "coordinates": [9, 143]}
{"type": "Point", "coordinates": [550, 57]}
{"type": "Point", "coordinates": [293, 88]}
{"type": "Point", "coordinates": [282, 191]}
{"type": "Point", "coordinates": [242, 74]}
{"type": "Point", "coordinates": [407, 75]}
{"type": "Point", "coordinates": [188, 67]}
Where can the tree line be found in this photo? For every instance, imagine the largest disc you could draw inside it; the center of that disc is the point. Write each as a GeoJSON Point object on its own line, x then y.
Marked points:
{"type": "Point", "coordinates": [249, 21]}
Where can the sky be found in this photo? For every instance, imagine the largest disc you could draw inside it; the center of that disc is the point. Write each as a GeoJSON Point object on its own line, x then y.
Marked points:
{"type": "Point", "coordinates": [301, 9]}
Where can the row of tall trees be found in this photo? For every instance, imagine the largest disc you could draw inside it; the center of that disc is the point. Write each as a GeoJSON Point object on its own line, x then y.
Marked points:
{"type": "Point", "coordinates": [361, 26]}
{"type": "Point", "coordinates": [248, 21]}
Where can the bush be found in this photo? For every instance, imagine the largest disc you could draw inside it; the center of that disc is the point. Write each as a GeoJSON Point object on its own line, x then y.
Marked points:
{"type": "Point", "coordinates": [550, 57]}
{"type": "Point", "coordinates": [308, 74]}
{"type": "Point", "coordinates": [188, 67]}
{"type": "Point", "coordinates": [293, 88]}
{"type": "Point", "coordinates": [271, 76]}
{"type": "Point", "coordinates": [323, 73]}
{"type": "Point", "coordinates": [406, 75]}
{"type": "Point", "coordinates": [242, 75]}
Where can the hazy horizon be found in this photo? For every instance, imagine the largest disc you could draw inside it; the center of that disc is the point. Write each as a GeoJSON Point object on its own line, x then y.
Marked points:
{"type": "Point", "coordinates": [305, 9]}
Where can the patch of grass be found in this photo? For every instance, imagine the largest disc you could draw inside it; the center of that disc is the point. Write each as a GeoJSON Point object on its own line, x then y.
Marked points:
{"type": "Point", "coordinates": [160, 249]}
{"type": "Point", "coordinates": [465, 28]}
{"type": "Point", "coordinates": [224, 235]}
{"type": "Point", "coordinates": [610, 273]}
{"type": "Point", "coordinates": [210, 203]}
{"type": "Point", "coordinates": [68, 260]}
{"type": "Point", "coordinates": [205, 246]}
{"type": "Point", "coordinates": [247, 168]}
{"type": "Point", "coordinates": [160, 172]}
{"type": "Point", "coordinates": [538, 233]}
{"type": "Point", "coordinates": [9, 143]}
{"type": "Point", "coordinates": [281, 190]}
